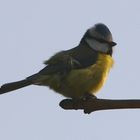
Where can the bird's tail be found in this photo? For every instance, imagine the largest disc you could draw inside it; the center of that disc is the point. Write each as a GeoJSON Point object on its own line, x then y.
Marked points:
{"type": "Point", "coordinates": [14, 86]}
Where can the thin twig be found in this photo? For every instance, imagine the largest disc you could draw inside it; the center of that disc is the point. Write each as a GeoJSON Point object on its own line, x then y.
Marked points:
{"type": "Point", "coordinates": [92, 105]}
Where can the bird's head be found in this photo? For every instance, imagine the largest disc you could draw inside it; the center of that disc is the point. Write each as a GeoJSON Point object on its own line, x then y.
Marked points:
{"type": "Point", "coordinates": [99, 38]}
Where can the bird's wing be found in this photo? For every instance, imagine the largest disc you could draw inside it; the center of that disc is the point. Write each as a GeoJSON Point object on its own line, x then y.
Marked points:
{"type": "Point", "coordinates": [60, 62]}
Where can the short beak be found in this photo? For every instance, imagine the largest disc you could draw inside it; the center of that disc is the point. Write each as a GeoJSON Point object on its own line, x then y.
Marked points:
{"type": "Point", "coordinates": [113, 44]}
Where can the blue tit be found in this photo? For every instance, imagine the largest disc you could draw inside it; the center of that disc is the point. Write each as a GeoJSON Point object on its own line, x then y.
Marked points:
{"type": "Point", "coordinates": [77, 72]}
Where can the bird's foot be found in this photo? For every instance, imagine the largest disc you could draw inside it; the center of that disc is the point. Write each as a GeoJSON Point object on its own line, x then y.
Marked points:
{"type": "Point", "coordinates": [89, 96]}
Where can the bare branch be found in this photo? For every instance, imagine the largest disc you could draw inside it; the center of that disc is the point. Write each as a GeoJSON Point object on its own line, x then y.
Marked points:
{"type": "Point", "coordinates": [95, 104]}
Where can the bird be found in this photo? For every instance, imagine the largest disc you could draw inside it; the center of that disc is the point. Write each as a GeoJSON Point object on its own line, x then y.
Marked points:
{"type": "Point", "coordinates": [77, 73]}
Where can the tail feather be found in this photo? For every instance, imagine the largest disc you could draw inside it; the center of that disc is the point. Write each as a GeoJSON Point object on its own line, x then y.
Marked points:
{"type": "Point", "coordinates": [14, 86]}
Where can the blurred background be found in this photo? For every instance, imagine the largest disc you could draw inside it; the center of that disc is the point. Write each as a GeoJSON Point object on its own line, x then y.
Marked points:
{"type": "Point", "coordinates": [30, 32]}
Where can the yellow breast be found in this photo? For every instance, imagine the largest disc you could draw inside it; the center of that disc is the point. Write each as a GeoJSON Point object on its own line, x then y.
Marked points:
{"type": "Point", "coordinates": [102, 68]}
{"type": "Point", "coordinates": [89, 80]}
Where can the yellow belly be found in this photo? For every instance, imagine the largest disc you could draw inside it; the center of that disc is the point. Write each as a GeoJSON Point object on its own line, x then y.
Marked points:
{"type": "Point", "coordinates": [81, 81]}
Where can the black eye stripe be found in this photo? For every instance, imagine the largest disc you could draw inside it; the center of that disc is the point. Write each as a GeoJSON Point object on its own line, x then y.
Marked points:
{"type": "Point", "coordinates": [100, 40]}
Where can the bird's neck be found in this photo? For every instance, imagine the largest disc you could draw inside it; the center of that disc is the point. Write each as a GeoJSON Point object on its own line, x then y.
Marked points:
{"type": "Point", "coordinates": [105, 60]}
{"type": "Point", "coordinates": [84, 54]}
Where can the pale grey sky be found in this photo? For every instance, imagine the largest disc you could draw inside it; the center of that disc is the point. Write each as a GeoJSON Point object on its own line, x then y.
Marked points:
{"type": "Point", "coordinates": [30, 32]}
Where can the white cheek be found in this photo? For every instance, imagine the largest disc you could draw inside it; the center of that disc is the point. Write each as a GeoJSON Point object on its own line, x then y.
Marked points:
{"type": "Point", "coordinates": [102, 47]}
